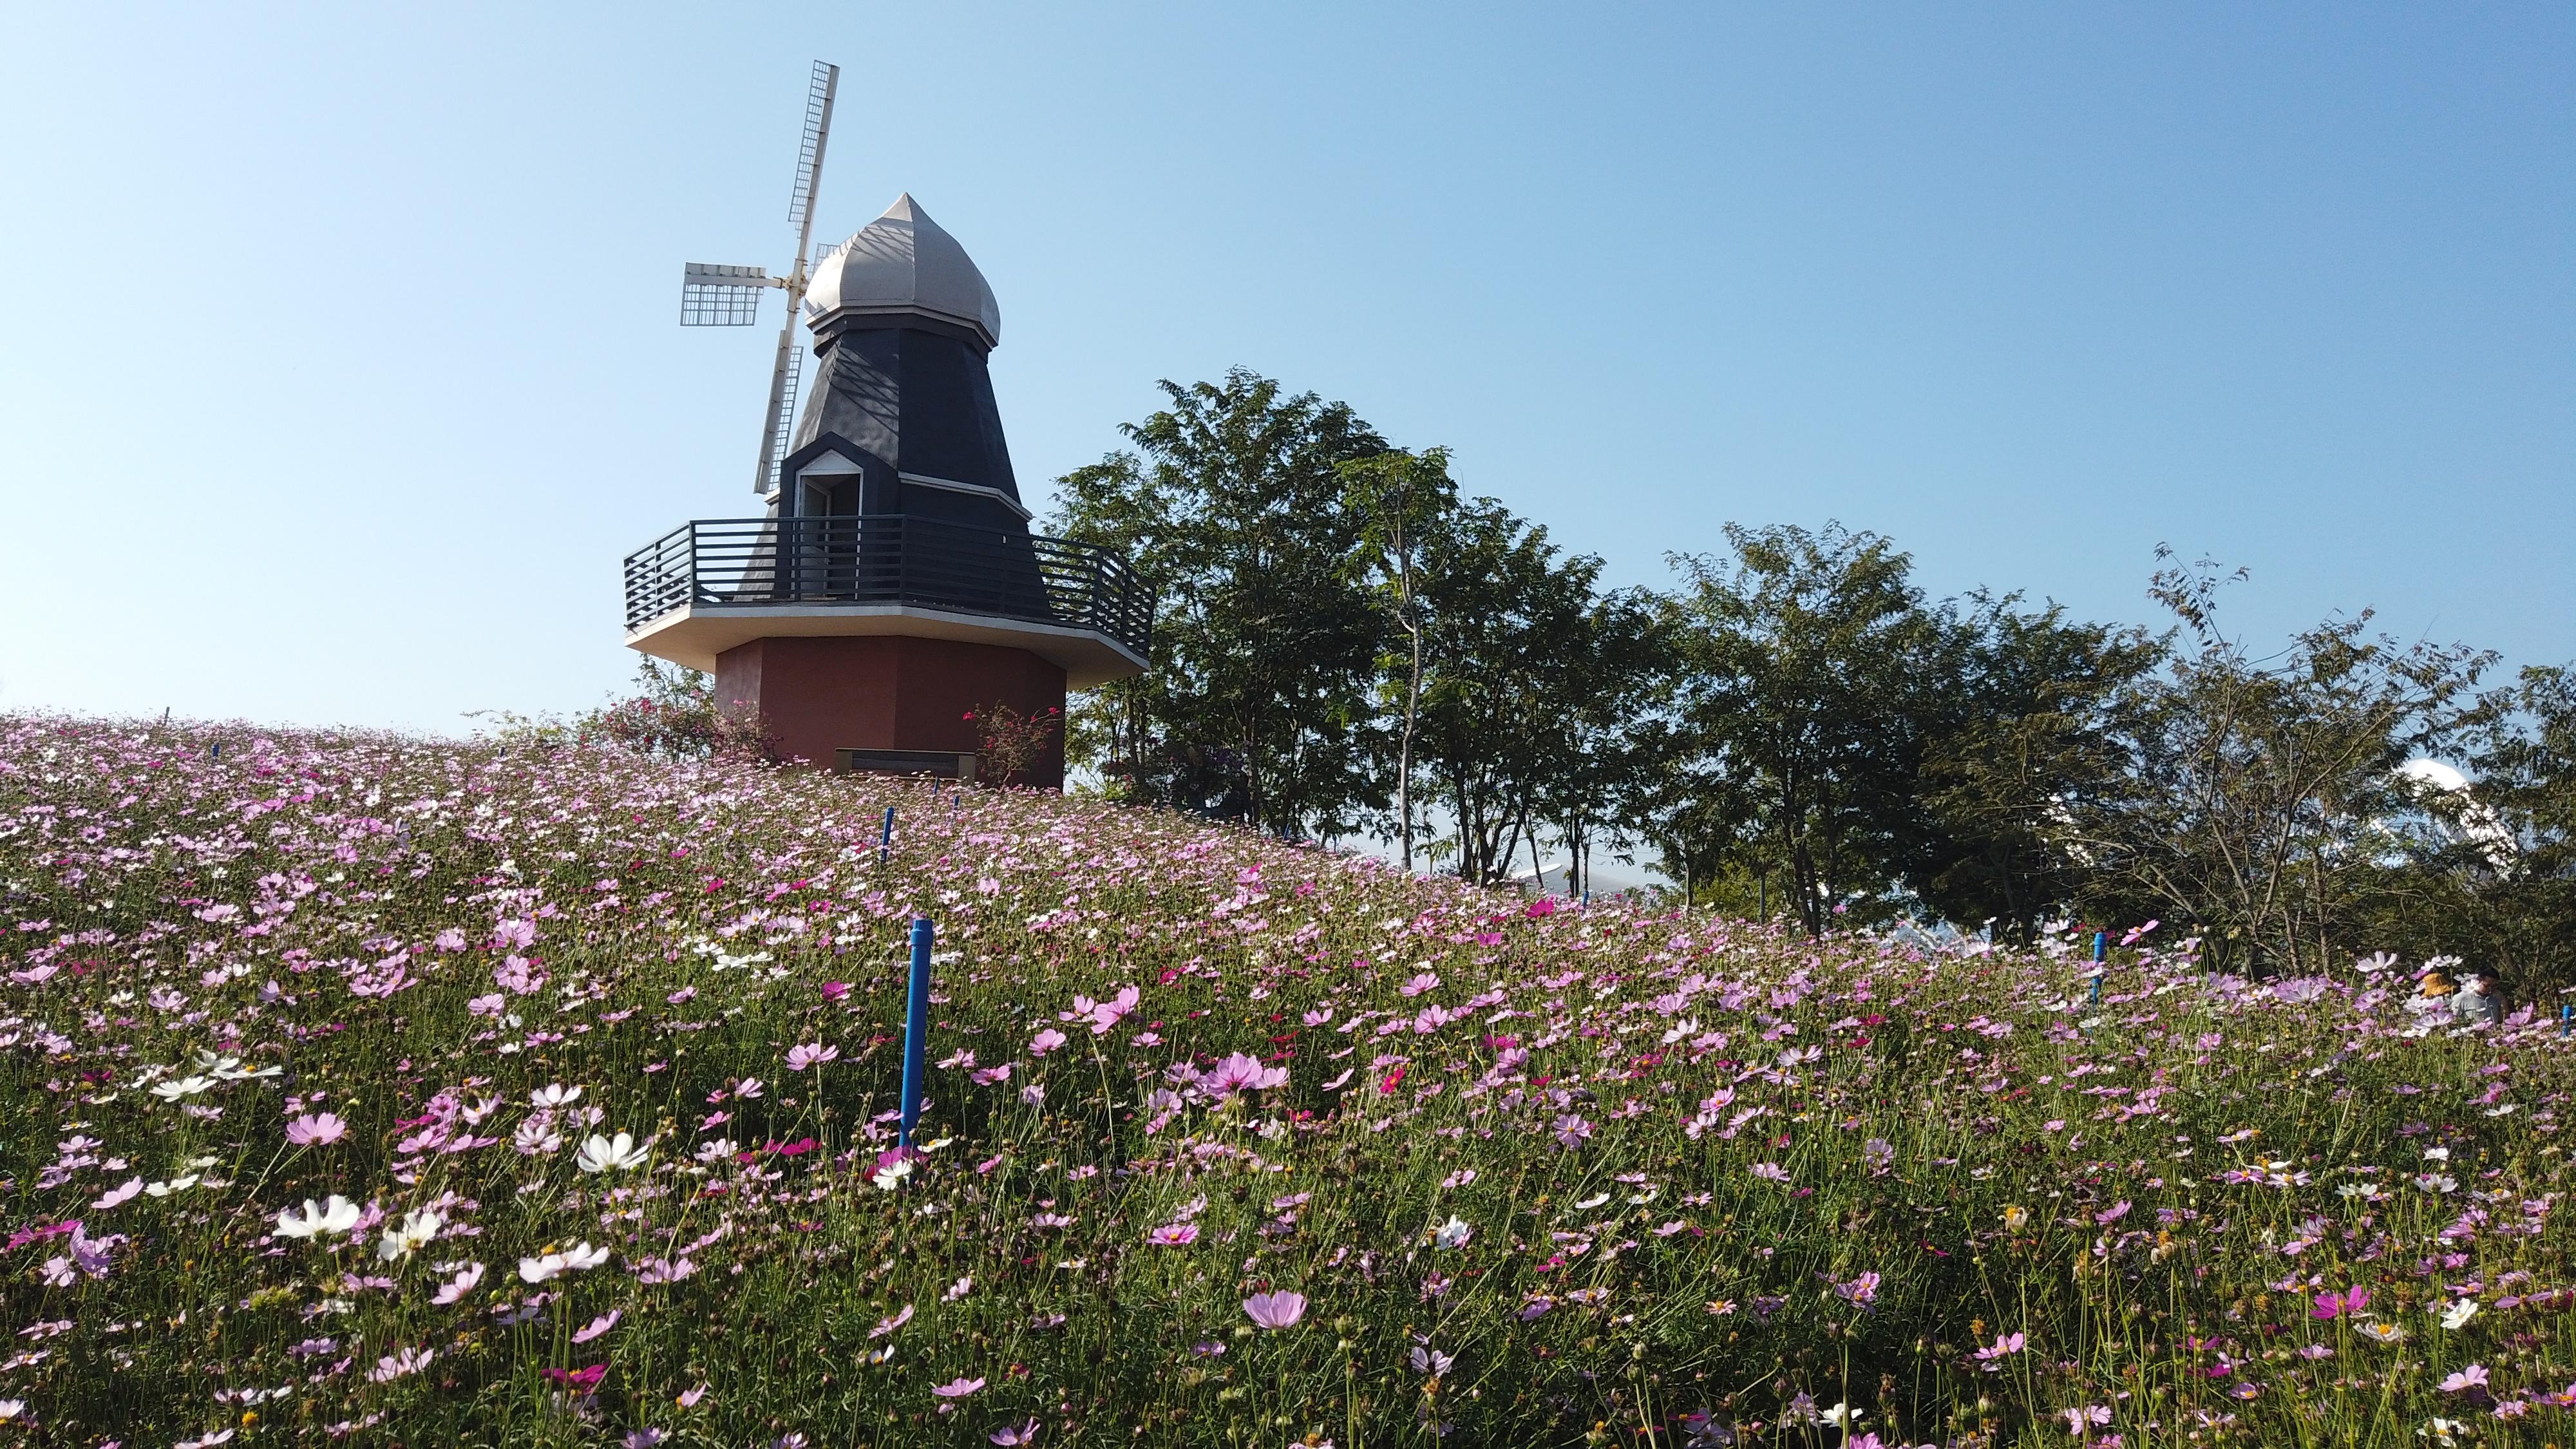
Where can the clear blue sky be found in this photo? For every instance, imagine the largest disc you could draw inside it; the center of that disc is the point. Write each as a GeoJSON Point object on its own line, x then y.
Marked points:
{"type": "Point", "coordinates": [339, 365]}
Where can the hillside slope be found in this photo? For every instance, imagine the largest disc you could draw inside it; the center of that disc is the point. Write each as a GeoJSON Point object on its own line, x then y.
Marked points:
{"type": "Point", "coordinates": [376, 1090]}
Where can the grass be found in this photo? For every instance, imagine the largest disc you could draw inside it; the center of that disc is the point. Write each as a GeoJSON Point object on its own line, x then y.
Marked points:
{"type": "Point", "coordinates": [1539, 1176]}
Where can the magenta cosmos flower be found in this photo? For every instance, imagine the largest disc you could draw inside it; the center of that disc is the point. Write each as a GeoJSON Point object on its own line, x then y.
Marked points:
{"type": "Point", "coordinates": [1174, 1235]}
{"type": "Point", "coordinates": [1276, 1310]}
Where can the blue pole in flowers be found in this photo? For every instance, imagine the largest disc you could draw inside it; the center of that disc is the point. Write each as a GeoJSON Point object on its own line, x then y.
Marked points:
{"type": "Point", "coordinates": [916, 1026]}
{"type": "Point", "coordinates": [2564, 1014]}
{"type": "Point", "coordinates": [2101, 952]}
{"type": "Point", "coordinates": [885, 837]}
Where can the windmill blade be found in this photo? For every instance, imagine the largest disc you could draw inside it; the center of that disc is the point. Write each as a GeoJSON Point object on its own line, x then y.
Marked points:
{"type": "Point", "coordinates": [719, 296]}
{"type": "Point", "coordinates": [809, 152]}
{"type": "Point", "coordinates": [781, 423]}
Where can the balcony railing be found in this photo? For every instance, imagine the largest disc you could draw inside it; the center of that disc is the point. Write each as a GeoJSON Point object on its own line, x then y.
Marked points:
{"type": "Point", "coordinates": [890, 559]}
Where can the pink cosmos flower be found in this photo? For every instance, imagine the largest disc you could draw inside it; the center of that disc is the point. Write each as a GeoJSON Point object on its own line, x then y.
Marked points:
{"type": "Point", "coordinates": [1023, 1434]}
{"type": "Point", "coordinates": [2331, 1306]}
{"type": "Point", "coordinates": [957, 1388]}
{"type": "Point", "coordinates": [88, 1257]}
{"type": "Point", "coordinates": [311, 1130]}
{"type": "Point", "coordinates": [399, 1365]}
{"type": "Point", "coordinates": [597, 1326]}
{"type": "Point", "coordinates": [1107, 1014]}
{"type": "Point", "coordinates": [664, 1270]}
{"type": "Point", "coordinates": [1174, 1235]}
{"type": "Point", "coordinates": [1046, 1041]}
{"type": "Point", "coordinates": [458, 1286]}
{"type": "Point", "coordinates": [2472, 1377]}
{"type": "Point", "coordinates": [2004, 1346]}
{"type": "Point", "coordinates": [804, 1055]}
{"type": "Point", "coordinates": [1240, 1073]}
{"type": "Point", "coordinates": [1862, 1290]}
{"type": "Point", "coordinates": [889, 1325]}
{"type": "Point", "coordinates": [1275, 1310]}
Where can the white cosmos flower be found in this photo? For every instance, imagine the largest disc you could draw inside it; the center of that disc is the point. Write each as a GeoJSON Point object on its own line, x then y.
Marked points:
{"type": "Point", "coordinates": [554, 1095]}
{"type": "Point", "coordinates": [579, 1258]}
{"type": "Point", "coordinates": [716, 1149]}
{"type": "Point", "coordinates": [599, 1154]}
{"type": "Point", "coordinates": [173, 1090]}
{"type": "Point", "coordinates": [230, 1069]}
{"type": "Point", "coordinates": [337, 1216]}
{"type": "Point", "coordinates": [1453, 1233]}
{"type": "Point", "coordinates": [417, 1229]}
{"type": "Point", "coordinates": [2458, 1314]}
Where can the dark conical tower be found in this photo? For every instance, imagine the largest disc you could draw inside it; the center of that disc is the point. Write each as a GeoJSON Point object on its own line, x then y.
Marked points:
{"type": "Point", "coordinates": [902, 324]}
{"type": "Point", "coordinates": [894, 585]}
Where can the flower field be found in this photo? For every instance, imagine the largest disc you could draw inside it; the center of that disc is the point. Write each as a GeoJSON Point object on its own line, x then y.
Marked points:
{"type": "Point", "coordinates": [397, 1092]}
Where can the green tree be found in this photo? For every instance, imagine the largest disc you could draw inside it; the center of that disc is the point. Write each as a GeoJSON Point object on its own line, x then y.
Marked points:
{"type": "Point", "coordinates": [1804, 716]}
{"type": "Point", "coordinates": [1507, 622]}
{"type": "Point", "coordinates": [2034, 728]}
{"type": "Point", "coordinates": [1265, 642]}
{"type": "Point", "coordinates": [1404, 501]}
{"type": "Point", "coordinates": [1616, 678]}
{"type": "Point", "coordinates": [2264, 803]}
{"type": "Point", "coordinates": [2489, 873]}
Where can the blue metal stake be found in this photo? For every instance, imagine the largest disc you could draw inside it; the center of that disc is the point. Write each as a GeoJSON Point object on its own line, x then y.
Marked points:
{"type": "Point", "coordinates": [2101, 947]}
{"type": "Point", "coordinates": [885, 838]}
{"type": "Point", "coordinates": [2564, 1013]}
{"type": "Point", "coordinates": [916, 1026]}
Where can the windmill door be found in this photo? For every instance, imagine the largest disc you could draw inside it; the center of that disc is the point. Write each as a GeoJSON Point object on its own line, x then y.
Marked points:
{"type": "Point", "coordinates": [826, 542]}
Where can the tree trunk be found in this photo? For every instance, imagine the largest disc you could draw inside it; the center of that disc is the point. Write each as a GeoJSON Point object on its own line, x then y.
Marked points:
{"type": "Point", "coordinates": [1404, 756]}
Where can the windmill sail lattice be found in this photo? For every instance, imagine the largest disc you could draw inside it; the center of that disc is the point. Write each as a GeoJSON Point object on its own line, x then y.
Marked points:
{"type": "Point", "coordinates": [715, 295]}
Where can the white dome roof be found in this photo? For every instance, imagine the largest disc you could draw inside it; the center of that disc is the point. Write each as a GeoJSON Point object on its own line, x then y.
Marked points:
{"type": "Point", "coordinates": [902, 262]}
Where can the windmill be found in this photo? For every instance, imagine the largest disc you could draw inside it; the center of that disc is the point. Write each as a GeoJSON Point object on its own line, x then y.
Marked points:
{"type": "Point", "coordinates": [721, 296]}
{"type": "Point", "coordinates": [892, 596]}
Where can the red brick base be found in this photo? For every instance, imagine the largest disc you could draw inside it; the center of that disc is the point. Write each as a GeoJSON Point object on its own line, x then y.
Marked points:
{"type": "Point", "coordinates": [884, 692]}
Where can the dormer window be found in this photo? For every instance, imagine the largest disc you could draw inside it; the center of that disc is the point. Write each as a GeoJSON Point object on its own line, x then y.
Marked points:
{"type": "Point", "coordinates": [828, 487]}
